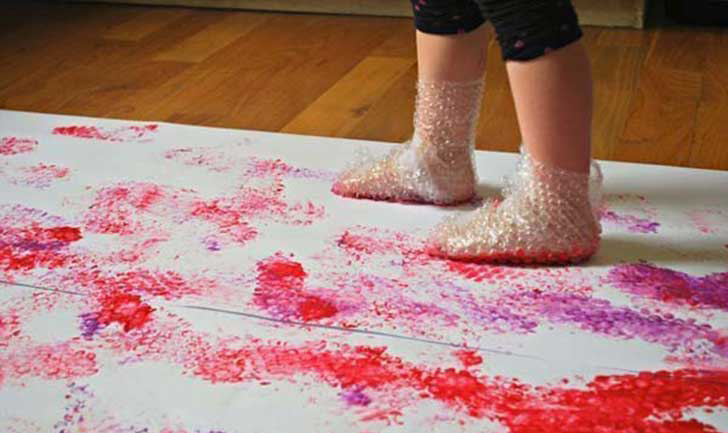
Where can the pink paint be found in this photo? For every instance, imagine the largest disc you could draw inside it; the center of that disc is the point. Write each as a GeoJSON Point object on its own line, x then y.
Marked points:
{"type": "Point", "coordinates": [277, 168]}
{"type": "Point", "coordinates": [40, 175]}
{"type": "Point", "coordinates": [121, 134]}
{"type": "Point", "coordinates": [9, 328]}
{"type": "Point", "coordinates": [15, 145]}
{"type": "Point", "coordinates": [213, 159]}
{"type": "Point", "coordinates": [135, 209]}
{"type": "Point", "coordinates": [116, 209]}
{"type": "Point", "coordinates": [708, 221]}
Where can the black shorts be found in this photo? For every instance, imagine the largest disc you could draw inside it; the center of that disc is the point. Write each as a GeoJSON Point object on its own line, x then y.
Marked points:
{"type": "Point", "coordinates": [526, 29]}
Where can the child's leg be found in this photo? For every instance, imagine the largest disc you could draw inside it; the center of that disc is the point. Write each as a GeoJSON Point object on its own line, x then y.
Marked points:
{"type": "Point", "coordinates": [553, 96]}
{"type": "Point", "coordinates": [436, 165]}
{"type": "Point", "coordinates": [547, 215]}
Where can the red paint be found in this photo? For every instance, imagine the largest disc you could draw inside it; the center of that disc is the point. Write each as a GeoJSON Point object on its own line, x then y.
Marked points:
{"type": "Point", "coordinates": [9, 328]}
{"type": "Point", "coordinates": [168, 284]}
{"type": "Point", "coordinates": [64, 234]}
{"type": "Point", "coordinates": [644, 402]}
{"type": "Point", "coordinates": [15, 145]}
{"type": "Point", "coordinates": [481, 272]}
{"type": "Point", "coordinates": [115, 209]}
{"type": "Point", "coordinates": [281, 290]}
{"type": "Point", "coordinates": [27, 248]}
{"type": "Point", "coordinates": [125, 309]}
{"type": "Point", "coordinates": [469, 358]}
{"type": "Point", "coordinates": [125, 133]}
{"type": "Point", "coordinates": [48, 361]}
{"type": "Point", "coordinates": [315, 308]}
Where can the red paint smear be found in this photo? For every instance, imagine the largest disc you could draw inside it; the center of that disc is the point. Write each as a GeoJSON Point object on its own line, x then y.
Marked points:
{"type": "Point", "coordinates": [14, 145]}
{"type": "Point", "coordinates": [229, 220]}
{"type": "Point", "coordinates": [479, 273]}
{"type": "Point", "coordinates": [9, 328]}
{"type": "Point", "coordinates": [281, 290]}
{"type": "Point", "coordinates": [651, 402]}
{"type": "Point", "coordinates": [114, 208]}
{"type": "Point", "coordinates": [126, 133]}
{"type": "Point", "coordinates": [168, 284]}
{"type": "Point", "coordinates": [64, 234]}
{"type": "Point", "coordinates": [269, 167]}
{"type": "Point", "coordinates": [125, 309]}
{"type": "Point", "coordinates": [31, 247]}
{"type": "Point", "coordinates": [315, 308]}
{"type": "Point", "coordinates": [49, 362]}
{"type": "Point", "coordinates": [50, 169]}
{"type": "Point", "coordinates": [469, 358]}
{"type": "Point", "coordinates": [371, 242]}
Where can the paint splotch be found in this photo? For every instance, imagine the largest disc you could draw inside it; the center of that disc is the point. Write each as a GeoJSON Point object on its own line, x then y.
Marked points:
{"type": "Point", "coordinates": [671, 286]}
{"type": "Point", "coordinates": [129, 133]}
{"type": "Point", "coordinates": [16, 145]}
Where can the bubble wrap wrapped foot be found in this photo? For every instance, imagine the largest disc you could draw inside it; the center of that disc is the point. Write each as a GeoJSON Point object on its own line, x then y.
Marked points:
{"type": "Point", "coordinates": [436, 166]}
{"type": "Point", "coordinates": [547, 216]}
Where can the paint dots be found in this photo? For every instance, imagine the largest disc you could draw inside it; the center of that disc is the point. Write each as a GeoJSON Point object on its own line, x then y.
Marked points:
{"type": "Point", "coordinates": [15, 145]}
{"type": "Point", "coordinates": [670, 286]}
{"type": "Point", "coordinates": [630, 222]}
{"type": "Point", "coordinates": [121, 134]}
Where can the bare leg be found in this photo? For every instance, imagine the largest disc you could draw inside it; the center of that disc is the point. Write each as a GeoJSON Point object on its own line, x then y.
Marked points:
{"type": "Point", "coordinates": [553, 97]}
{"type": "Point", "coordinates": [460, 57]}
{"type": "Point", "coordinates": [436, 166]}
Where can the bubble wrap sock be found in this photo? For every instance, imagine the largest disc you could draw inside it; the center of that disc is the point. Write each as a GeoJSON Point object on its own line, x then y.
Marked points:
{"type": "Point", "coordinates": [547, 216]}
{"type": "Point", "coordinates": [436, 165]}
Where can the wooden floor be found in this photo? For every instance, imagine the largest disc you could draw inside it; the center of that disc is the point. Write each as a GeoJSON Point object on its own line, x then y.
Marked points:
{"type": "Point", "coordinates": [661, 94]}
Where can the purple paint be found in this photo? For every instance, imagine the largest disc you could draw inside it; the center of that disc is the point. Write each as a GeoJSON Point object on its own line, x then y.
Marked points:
{"type": "Point", "coordinates": [212, 244]}
{"type": "Point", "coordinates": [89, 325]}
{"type": "Point", "coordinates": [28, 245]}
{"type": "Point", "coordinates": [667, 285]}
{"type": "Point", "coordinates": [354, 397]}
{"type": "Point", "coordinates": [601, 317]}
{"type": "Point", "coordinates": [631, 222]}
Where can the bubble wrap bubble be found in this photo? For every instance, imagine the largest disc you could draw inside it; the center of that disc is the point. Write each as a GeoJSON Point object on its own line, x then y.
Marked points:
{"type": "Point", "coordinates": [547, 215]}
{"type": "Point", "coordinates": [436, 165]}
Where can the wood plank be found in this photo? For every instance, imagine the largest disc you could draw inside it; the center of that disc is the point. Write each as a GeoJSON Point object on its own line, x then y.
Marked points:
{"type": "Point", "coordinates": [213, 38]}
{"type": "Point", "coordinates": [390, 117]}
{"type": "Point", "coordinates": [108, 67]}
{"type": "Point", "coordinates": [616, 64]}
{"type": "Point", "coordinates": [629, 13]}
{"type": "Point", "coordinates": [282, 67]}
{"type": "Point", "coordinates": [710, 149]}
{"type": "Point", "coordinates": [661, 124]}
{"type": "Point", "coordinates": [660, 95]}
{"type": "Point", "coordinates": [344, 105]}
{"type": "Point", "coordinates": [144, 23]}
{"type": "Point", "coordinates": [401, 43]}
